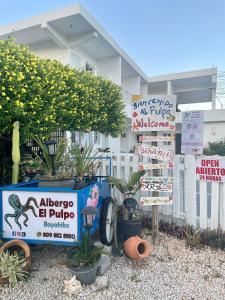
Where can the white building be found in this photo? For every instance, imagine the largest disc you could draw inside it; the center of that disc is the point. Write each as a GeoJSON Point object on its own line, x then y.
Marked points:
{"type": "Point", "coordinates": [72, 36]}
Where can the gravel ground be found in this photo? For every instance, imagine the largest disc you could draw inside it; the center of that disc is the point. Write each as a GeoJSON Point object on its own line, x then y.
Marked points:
{"type": "Point", "coordinates": [171, 272]}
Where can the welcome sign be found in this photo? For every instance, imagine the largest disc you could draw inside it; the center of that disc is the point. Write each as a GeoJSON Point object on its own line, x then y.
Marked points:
{"type": "Point", "coordinates": [154, 113]}
{"type": "Point", "coordinates": [44, 216]}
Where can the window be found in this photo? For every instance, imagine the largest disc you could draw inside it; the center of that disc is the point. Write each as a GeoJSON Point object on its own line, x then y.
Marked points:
{"type": "Point", "coordinates": [90, 68]}
{"type": "Point", "coordinates": [76, 137]}
{"type": "Point", "coordinates": [96, 137]}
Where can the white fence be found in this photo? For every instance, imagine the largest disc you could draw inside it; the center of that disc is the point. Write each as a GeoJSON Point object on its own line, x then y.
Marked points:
{"type": "Point", "coordinates": [196, 202]}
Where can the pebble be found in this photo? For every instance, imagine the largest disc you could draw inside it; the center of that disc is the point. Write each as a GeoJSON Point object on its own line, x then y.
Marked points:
{"type": "Point", "coordinates": [172, 272]}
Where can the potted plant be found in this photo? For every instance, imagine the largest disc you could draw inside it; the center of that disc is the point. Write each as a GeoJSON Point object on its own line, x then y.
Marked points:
{"type": "Point", "coordinates": [83, 260]}
{"type": "Point", "coordinates": [129, 216]}
{"type": "Point", "coordinates": [54, 169]}
{"type": "Point", "coordinates": [12, 268]}
{"type": "Point", "coordinates": [84, 163]}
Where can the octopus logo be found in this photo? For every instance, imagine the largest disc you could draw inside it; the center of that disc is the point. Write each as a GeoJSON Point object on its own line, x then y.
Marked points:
{"type": "Point", "coordinates": [19, 210]}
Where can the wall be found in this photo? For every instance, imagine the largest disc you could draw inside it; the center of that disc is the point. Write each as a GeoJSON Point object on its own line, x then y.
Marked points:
{"type": "Point", "coordinates": [51, 50]}
{"type": "Point", "coordinates": [214, 132]}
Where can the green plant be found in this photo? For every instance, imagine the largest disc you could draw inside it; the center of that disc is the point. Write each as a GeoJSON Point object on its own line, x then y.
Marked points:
{"type": "Point", "coordinates": [15, 152]}
{"type": "Point", "coordinates": [192, 236]}
{"type": "Point", "coordinates": [44, 95]}
{"type": "Point", "coordinates": [45, 162]}
{"type": "Point", "coordinates": [12, 267]}
{"type": "Point", "coordinates": [215, 148]}
{"type": "Point", "coordinates": [127, 188]}
{"type": "Point", "coordinates": [84, 255]}
{"type": "Point", "coordinates": [84, 161]}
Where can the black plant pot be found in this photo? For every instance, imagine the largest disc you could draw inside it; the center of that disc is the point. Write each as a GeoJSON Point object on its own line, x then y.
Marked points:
{"type": "Point", "coordinates": [127, 229]}
{"type": "Point", "coordinates": [78, 185]}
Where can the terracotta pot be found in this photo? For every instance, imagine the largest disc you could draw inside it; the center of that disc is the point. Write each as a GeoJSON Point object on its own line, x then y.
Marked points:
{"type": "Point", "coordinates": [137, 248]}
{"type": "Point", "coordinates": [24, 246]}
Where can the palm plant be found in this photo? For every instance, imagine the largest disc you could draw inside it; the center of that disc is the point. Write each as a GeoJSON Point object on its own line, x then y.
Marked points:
{"type": "Point", "coordinates": [46, 162]}
{"type": "Point", "coordinates": [127, 188]}
{"type": "Point", "coordinates": [84, 160]}
{"type": "Point", "coordinates": [84, 255]}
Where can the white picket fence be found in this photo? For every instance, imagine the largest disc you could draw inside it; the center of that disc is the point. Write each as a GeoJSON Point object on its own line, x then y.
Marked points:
{"type": "Point", "coordinates": [195, 202]}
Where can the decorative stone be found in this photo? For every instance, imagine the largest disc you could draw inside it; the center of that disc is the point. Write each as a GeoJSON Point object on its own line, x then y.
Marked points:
{"type": "Point", "coordinates": [72, 286]}
{"type": "Point", "coordinates": [103, 265]}
{"type": "Point", "coordinates": [100, 283]}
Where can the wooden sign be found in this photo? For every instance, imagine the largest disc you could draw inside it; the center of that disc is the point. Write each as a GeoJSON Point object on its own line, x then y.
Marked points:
{"type": "Point", "coordinates": [159, 166]}
{"type": "Point", "coordinates": [154, 113]}
{"type": "Point", "coordinates": [158, 179]}
{"type": "Point", "coordinates": [154, 152]}
{"type": "Point", "coordinates": [156, 201]}
{"type": "Point", "coordinates": [156, 187]}
{"type": "Point", "coordinates": [159, 138]}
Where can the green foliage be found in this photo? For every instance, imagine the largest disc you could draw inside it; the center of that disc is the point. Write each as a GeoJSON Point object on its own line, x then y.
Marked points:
{"type": "Point", "coordinates": [216, 148]}
{"type": "Point", "coordinates": [84, 255]}
{"type": "Point", "coordinates": [12, 267]}
{"type": "Point", "coordinates": [83, 160]}
{"type": "Point", "coordinates": [44, 95]}
{"type": "Point", "coordinates": [45, 162]}
{"type": "Point", "coordinates": [127, 188]}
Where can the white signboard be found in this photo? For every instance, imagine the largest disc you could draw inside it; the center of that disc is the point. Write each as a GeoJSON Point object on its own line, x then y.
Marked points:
{"type": "Point", "coordinates": [156, 187]}
{"type": "Point", "coordinates": [154, 113]}
{"type": "Point", "coordinates": [210, 169]}
{"type": "Point", "coordinates": [44, 215]}
{"type": "Point", "coordinates": [156, 201]}
{"type": "Point", "coordinates": [159, 166]}
{"type": "Point", "coordinates": [157, 179]}
{"type": "Point", "coordinates": [159, 138]}
{"type": "Point", "coordinates": [154, 152]}
{"type": "Point", "coordinates": [192, 132]}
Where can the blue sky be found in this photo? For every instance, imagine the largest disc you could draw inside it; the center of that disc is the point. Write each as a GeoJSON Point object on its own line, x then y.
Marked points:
{"type": "Point", "coordinates": [162, 36]}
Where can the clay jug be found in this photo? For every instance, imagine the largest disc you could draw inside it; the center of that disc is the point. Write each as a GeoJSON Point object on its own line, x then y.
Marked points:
{"type": "Point", "coordinates": [137, 248]}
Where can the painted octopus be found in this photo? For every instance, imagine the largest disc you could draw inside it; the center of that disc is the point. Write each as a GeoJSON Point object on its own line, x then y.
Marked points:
{"type": "Point", "coordinates": [20, 210]}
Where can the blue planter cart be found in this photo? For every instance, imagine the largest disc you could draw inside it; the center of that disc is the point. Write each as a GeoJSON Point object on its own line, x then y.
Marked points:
{"type": "Point", "coordinates": [42, 215]}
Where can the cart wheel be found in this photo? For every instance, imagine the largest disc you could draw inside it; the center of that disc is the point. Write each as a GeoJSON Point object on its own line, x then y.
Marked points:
{"type": "Point", "coordinates": [107, 221]}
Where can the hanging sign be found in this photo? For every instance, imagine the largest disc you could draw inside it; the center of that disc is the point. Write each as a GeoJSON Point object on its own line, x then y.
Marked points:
{"type": "Point", "coordinates": [154, 152]}
{"type": "Point", "coordinates": [159, 138]}
{"type": "Point", "coordinates": [158, 179]}
{"type": "Point", "coordinates": [154, 113]}
{"type": "Point", "coordinates": [156, 201]}
{"type": "Point", "coordinates": [210, 169]}
{"type": "Point", "coordinates": [159, 166]}
{"type": "Point", "coordinates": [156, 187]}
{"type": "Point", "coordinates": [192, 132]}
{"type": "Point", "coordinates": [43, 216]}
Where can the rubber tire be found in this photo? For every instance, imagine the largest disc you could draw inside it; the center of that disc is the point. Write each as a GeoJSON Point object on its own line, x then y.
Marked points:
{"type": "Point", "coordinates": [103, 219]}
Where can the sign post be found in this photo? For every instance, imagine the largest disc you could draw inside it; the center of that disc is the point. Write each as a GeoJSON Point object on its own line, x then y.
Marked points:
{"type": "Point", "coordinates": [153, 114]}
{"type": "Point", "coordinates": [155, 222]}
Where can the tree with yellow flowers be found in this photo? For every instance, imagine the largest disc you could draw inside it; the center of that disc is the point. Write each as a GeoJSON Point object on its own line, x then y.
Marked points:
{"type": "Point", "coordinates": [44, 95]}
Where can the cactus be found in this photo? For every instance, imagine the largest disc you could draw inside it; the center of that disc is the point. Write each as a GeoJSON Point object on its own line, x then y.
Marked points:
{"type": "Point", "coordinates": [15, 152]}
